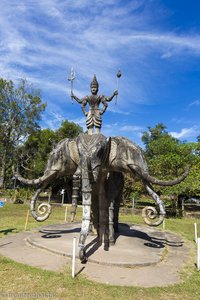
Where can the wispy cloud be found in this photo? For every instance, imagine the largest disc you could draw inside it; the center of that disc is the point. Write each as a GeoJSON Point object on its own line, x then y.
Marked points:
{"type": "Point", "coordinates": [42, 40]}
{"type": "Point", "coordinates": [60, 35]}
{"type": "Point", "coordinates": [115, 110]}
{"type": "Point", "coordinates": [186, 133]}
{"type": "Point", "coordinates": [195, 103]}
{"type": "Point", "coordinates": [117, 129]}
{"type": "Point", "coordinates": [53, 120]}
{"type": "Point", "coordinates": [130, 128]}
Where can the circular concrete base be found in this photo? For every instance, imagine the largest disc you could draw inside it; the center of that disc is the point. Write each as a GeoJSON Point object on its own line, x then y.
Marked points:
{"type": "Point", "coordinates": [142, 256]}
{"type": "Point", "coordinates": [135, 245]}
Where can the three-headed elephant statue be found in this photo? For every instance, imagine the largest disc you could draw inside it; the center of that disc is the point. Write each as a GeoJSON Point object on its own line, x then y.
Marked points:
{"type": "Point", "coordinates": [97, 164]}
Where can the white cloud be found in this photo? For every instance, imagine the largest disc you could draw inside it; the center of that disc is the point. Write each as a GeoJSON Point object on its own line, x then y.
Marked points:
{"type": "Point", "coordinates": [60, 35]}
{"type": "Point", "coordinates": [186, 133]}
{"type": "Point", "coordinates": [52, 120]}
{"type": "Point", "coordinates": [42, 47]}
{"type": "Point", "coordinates": [130, 128]}
{"type": "Point", "coordinates": [116, 128]}
{"type": "Point", "coordinates": [195, 103]}
{"type": "Point", "coordinates": [115, 110]}
{"type": "Point", "coordinates": [42, 40]}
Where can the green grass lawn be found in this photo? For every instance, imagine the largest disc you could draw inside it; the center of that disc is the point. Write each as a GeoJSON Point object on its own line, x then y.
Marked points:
{"type": "Point", "coordinates": [19, 278]}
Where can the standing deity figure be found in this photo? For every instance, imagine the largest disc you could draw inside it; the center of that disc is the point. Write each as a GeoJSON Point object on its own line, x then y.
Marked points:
{"type": "Point", "coordinates": [94, 120]}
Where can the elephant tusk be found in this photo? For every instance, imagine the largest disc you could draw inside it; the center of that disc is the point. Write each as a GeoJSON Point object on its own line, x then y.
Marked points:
{"type": "Point", "coordinates": [148, 178]}
{"type": "Point", "coordinates": [37, 181]}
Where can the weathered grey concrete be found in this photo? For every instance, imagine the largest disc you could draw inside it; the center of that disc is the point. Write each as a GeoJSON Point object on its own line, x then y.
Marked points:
{"type": "Point", "coordinates": [141, 256]}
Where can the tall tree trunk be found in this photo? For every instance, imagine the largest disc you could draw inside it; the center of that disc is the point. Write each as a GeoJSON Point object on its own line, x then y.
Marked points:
{"type": "Point", "coordinates": [3, 170]}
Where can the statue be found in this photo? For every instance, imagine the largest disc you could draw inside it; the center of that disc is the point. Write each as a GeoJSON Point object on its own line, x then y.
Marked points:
{"type": "Point", "coordinates": [97, 164]}
{"type": "Point", "coordinates": [94, 120]}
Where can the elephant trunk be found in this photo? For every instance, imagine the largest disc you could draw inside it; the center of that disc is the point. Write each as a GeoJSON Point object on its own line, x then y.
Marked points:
{"type": "Point", "coordinates": [148, 178]}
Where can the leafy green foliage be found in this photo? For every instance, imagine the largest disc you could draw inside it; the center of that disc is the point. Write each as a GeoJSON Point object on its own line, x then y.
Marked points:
{"type": "Point", "coordinates": [67, 130]}
{"type": "Point", "coordinates": [34, 152]}
{"type": "Point", "coordinates": [133, 188]}
{"type": "Point", "coordinates": [167, 158]}
{"type": "Point", "coordinates": [20, 110]}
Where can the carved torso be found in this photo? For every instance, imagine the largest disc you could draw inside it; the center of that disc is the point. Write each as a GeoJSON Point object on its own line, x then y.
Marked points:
{"type": "Point", "coordinates": [94, 101]}
{"type": "Point", "coordinates": [94, 114]}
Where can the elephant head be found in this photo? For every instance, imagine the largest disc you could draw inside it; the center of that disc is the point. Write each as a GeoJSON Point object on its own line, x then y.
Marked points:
{"type": "Point", "coordinates": [125, 156]}
{"type": "Point", "coordinates": [63, 160]}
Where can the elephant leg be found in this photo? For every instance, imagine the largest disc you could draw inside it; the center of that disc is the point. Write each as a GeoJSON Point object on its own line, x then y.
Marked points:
{"type": "Point", "coordinates": [111, 223]}
{"type": "Point", "coordinates": [114, 190]}
{"type": "Point", "coordinates": [86, 202]}
{"type": "Point", "coordinates": [116, 215]}
{"type": "Point", "coordinates": [104, 227]}
{"type": "Point", "coordinates": [150, 213]}
{"type": "Point", "coordinates": [94, 225]}
{"type": "Point", "coordinates": [44, 209]}
{"type": "Point", "coordinates": [103, 215]}
{"type": "Point", "coordinates": [75, 193]}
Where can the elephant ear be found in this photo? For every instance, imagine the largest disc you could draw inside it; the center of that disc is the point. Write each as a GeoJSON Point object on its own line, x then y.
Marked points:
{"type": "Point", "coordinates": [113, 151]}
{"type": "Point", "coordinates": [73, 151]}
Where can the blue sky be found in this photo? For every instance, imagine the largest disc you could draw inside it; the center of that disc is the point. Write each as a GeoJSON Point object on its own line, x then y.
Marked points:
{"type": "Point", "coordinates": [155, 43]}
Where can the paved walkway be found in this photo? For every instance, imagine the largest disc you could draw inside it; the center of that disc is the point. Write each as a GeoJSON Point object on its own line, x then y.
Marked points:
{"type": "Point", "coordinates": [142, 256]}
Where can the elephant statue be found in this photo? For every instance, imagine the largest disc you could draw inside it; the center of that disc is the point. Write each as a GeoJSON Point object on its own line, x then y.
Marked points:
{"type": "Point", "coordinates": [97, 164]}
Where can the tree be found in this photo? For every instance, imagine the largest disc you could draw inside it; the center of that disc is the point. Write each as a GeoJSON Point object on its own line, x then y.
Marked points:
{"type": "Point", "coordinates": [33, 153]}
{"type": "Point", "coordinates": [133, 188]}
{"type": "Point", "coordinates": [154, 134]}
{"type": "Point", "coordinates": [167, 157]}
{"type": "Point", "coordinates": [68, 129]}
{"type": "Point", "coordinates": [20, 110]}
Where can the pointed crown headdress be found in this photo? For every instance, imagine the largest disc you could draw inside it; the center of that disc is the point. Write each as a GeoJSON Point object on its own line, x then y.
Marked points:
{"type": "Point", "coordinates": [94, 82]}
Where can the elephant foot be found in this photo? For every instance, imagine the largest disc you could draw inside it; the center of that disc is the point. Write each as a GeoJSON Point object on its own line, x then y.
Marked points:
{"type": "Point", "coordinates": [82, 256]}
{"type": "Point", "coordinates": [72, 217]}
{"type": "Point", "coordinates": [111, 242]}
{"type": "Point", "coordinates": [116, 229]}
{"type": "Point", "coordinates": [92, 231]}
{"type": "Point", "coordinates": [106, 246]}
{"type": "Point", "coordinates": [100, 241]}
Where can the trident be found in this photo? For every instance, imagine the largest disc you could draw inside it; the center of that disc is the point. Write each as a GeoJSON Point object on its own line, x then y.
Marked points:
{"type": "Point", "coordinates": [119, 74]}
{"type": "Point", "coordinates": [71, 79]}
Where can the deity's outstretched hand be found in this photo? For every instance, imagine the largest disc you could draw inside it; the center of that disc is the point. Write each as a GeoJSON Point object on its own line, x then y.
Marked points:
{"type": "Point", "coordinates": [75, 97]}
